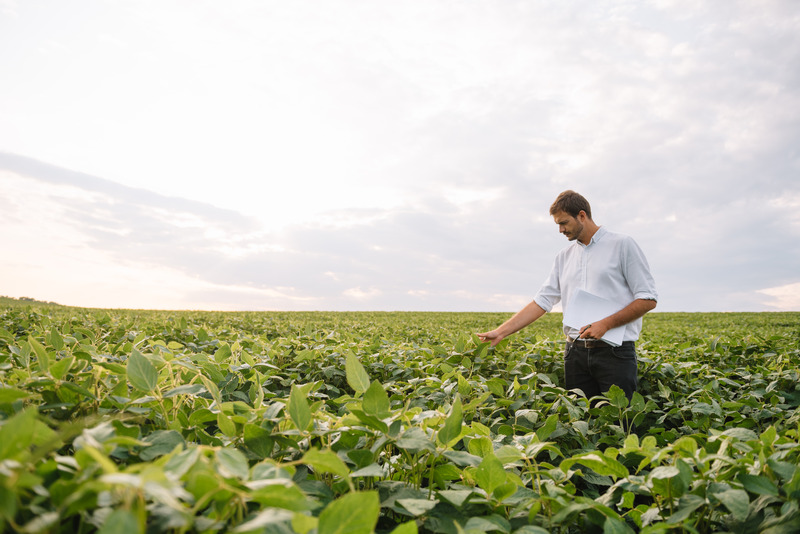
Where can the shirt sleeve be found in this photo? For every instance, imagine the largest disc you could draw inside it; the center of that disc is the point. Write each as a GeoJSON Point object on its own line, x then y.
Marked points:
{"type": "Point", "coordinates": [637, 272]}
{"type": "Point", "coordinates": [550, 293]}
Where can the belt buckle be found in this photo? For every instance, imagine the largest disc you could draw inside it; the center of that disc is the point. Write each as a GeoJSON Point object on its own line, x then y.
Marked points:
{"type": "Point", "coordinates": [587, 343]}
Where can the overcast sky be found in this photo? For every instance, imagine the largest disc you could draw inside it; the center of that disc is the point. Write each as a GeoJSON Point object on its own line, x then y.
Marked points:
{"type": "Point", "coordinates": [376, 155]}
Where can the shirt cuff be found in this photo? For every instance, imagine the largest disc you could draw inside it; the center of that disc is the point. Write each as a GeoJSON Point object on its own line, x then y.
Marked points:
{"type": "Point", "coordinates": [543, 303]}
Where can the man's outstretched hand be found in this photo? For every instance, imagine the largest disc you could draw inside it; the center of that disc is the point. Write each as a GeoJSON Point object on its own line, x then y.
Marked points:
{"type": "Point", "coordinates": [492, 337]}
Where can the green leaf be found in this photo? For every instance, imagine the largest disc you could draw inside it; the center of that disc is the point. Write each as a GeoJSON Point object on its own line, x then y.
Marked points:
{"type": "Point", "coordinates": [41, 354]}
{"type": "Point", "coordinates": [533, 450]}
{"type": "Point", "coordinates": [463, 458]}
{"type": "Point", "coordinates": [9, 395]}
{"type": "Point", "coordinates": [442, 474]}
{"type": "Point", "coordinates": [531, 529]}
{"type": "Point", "coordinates": [17, 433]}
{"type": "Point", "coordinates": [417, 507]}
{"type": "Point", "coordinates": [180, 463]}
{"type": "Point", "coordinates": [376, 401]}
{"type": "Point", "coordinates": [361, 457]}
{"type": "Point", "coordinates": [8, 503]}
{"type": "Point", "coordinates": [372, 470]}
{"type": "Point", "coordinates": [121, 521]}
{"type": "Point", "coordinates": [79, 390]}
{"type": "Point", "coordinates": [627, 500]}
{"type": "Point", "coordinates": [736, 501]}
{"type": "Point", "coordinates": [769, 436]}
{"type": "Point", "coordinates": [572, 508]}
{"type": "Point", "coordinates": [42, 523]}
{"type": "Point", "coordinates": [490, 474]}
{"type": "Point", "coordinates": [298, 409]}
{"type": "Point", "coordinates": [263, 519]}
{"type": "Point", "coordinates": [212, 388]}
{"type": "Point", "coordinates": [456, 497]}
{"type": "Point", "coordinates": [759, 485]}
{"type": "Point", "coordinates": [788, 524]}
{"type": "Point", "coordinates": [497, 387]}
{"type": "Point", "coordinates": [600, 464]}
{"type": "Point", "coordinates": [414, 439]}
{"type": "Point", "coordinates": [186, 389]}
{"type": "Point", "coordinates": [222, 353]}
{"type": "Point", "coordinates": [226, 425]}
{"type": "Point", "coordinates": [303, 524]}
{"type": "Point", "coordinates": [671, 480]}
{"type": "Point", "coordinates": [491, 523]}
{"type": "Point", "coordinates": [481, 447]}
{"type": "Point", "coordinates": [325, 461]}
{"type": "Point", "coordinates": [617, 397]}
{"type": "Point", "coordinates": [258, 440]}
{"type": "Point", "coordinates": [59, 369]}
{"type": "Point", "coordinates": [409, 527]}
{"type": "Point", "coordinates": [232, 464]}
{"type": "Point", "coordinates": [354, 513]}
{"type": "Point", "coordinates": [357, 376]}
{"type": "Point", "coordinates": [55, 339]}
{"type": "Point", "coordinates": [785, 470]}
{"type": "Point", "coordinates": [370, 420]}
{"type": "Point", "coordinates": [664, 472]}
{"type": "Point", "coordinates": [451, 430]}
{"type": "Point", "coordinates": [686, 506]}
{"type": "Point", "coordinates": [686, 445]}
{"type": "Point", "coordinates": [161, 442]}
{"type": "Point", "coordinates": [504, 491]}
{"type": "Point", "coordinates": [548, 428]}
{"type": "Point", "coordinates": [613, 525]}
{"type": "Point", "coordinates": [742, 434]}
{"type": "Point", "coordinates": [142, 373]}
{"type": "Point", "coordinates": [508, 454]}
{"type": "Point", "coordinates": [5, 334]}
{"type": "Point", "coordinates": [201, 416]}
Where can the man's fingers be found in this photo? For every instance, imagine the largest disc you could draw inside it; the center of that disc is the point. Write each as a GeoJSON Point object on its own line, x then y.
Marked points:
{"type": "Point", "coordinates": [491, 337]}
{"type": "Point", "coordinates": [584, 330]}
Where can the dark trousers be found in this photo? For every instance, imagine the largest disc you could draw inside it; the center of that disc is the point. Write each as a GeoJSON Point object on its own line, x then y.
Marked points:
{"type": "Point", "coordinates": [595, 370]}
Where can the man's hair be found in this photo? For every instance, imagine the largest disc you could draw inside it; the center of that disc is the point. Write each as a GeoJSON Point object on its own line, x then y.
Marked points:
{"type": "Point", "coordinates": [572, 203]}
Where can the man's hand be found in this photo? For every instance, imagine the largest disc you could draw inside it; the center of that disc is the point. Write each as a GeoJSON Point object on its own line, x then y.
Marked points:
{"type": "Point", "coordinates": [594, 330]}
{"type": "Point", "coordinates": [631, 312]}
{"type": "Point", "coordinates": [494, 337]}
{"type": "Point", "coordinates": [520, 320]}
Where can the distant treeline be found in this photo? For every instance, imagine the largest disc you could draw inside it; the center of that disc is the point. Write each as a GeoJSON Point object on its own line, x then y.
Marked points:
{"type": "Point", "coordinates": [27, 300]}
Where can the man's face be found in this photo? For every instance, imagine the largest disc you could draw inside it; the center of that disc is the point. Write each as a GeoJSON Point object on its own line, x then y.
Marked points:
{"type": "Point", "coordinates": [570, 226]}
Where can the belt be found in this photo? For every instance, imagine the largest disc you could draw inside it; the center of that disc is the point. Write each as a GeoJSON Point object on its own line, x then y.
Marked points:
{"type": "Point", "coordinates": [589, 343]}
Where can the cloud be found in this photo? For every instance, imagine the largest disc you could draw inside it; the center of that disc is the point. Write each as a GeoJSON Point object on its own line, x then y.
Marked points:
{"type": "Point", "coordinates": [358, 293]}
{"type": "Point", "coordinates": [113, 230]}
{"type": "Point", "coordinates": [351, 154]}
{"type": "Point", "coordinates": [785, 298]}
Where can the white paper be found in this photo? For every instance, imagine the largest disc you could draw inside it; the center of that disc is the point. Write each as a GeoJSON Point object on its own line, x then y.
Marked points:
{"type": "Point", "coordinates": [585, 308]}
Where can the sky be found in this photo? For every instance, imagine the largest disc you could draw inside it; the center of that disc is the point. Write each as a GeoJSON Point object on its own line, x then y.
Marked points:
{"type": "Point", "coordinates": [374, 155]}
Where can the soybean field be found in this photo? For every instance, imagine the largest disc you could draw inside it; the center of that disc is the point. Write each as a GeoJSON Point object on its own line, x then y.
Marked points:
{"type": "Point", "coordinates": [131, 421]}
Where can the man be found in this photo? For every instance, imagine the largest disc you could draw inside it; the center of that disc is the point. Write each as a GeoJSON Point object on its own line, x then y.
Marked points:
{"type": "Point", "coordinates": [605, 264]}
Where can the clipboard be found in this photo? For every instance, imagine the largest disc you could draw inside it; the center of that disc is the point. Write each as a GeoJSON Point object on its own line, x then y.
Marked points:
{"type": "Point", "coordinates": [584, 308]}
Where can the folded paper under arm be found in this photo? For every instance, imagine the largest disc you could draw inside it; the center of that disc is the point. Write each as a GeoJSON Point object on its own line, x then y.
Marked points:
{"type": "Point", "coordinates": [585, 308]}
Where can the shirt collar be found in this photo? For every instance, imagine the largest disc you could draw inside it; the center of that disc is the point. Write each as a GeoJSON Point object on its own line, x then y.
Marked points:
{"type": "Point", "coordinates": [598, 235]}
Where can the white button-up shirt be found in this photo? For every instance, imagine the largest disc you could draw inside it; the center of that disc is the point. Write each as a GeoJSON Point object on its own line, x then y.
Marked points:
{"type": "Point", "coordinates": [611, 266]}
